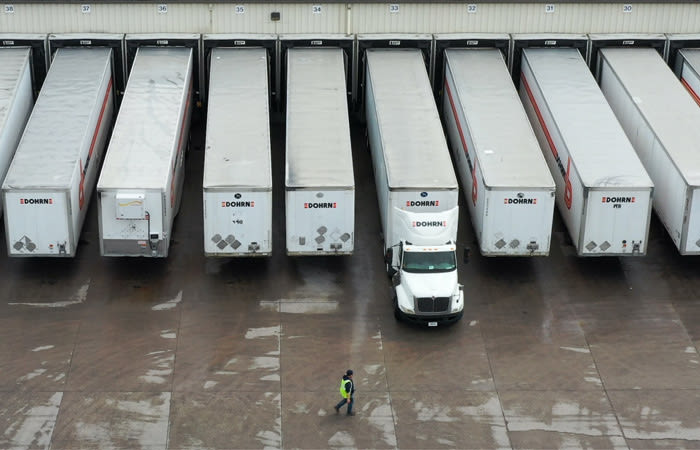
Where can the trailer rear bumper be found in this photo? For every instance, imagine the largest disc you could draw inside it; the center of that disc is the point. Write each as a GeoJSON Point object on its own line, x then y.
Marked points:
{"type": "Point", "coordinates": [134, 247]}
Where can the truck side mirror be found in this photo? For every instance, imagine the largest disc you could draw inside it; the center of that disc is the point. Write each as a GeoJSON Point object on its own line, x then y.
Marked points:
{"type": "Point", "coordinates": [389, 256]}
{"type": "Point", "coordinates": [465, 257]}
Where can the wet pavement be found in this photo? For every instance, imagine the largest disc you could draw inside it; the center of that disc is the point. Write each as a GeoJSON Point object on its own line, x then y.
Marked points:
{"type": "Point", "coordinates": [202, 353]}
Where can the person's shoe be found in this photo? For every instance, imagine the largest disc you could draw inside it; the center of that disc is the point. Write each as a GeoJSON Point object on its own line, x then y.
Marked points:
{"type": "Point", "coordinates": [337, 410]}
{"type": "Point", "coordinates": [351, 414]}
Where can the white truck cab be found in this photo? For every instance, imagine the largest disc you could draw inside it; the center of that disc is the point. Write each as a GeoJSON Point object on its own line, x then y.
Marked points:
{"type": "Point", "coordinates": [417, 189]}
{"type": "Point", "coordinates": [424, 279]}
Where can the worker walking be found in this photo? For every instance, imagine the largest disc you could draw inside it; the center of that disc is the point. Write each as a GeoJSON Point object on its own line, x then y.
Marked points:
{"type": "Point", "coordinates": [347, 390]}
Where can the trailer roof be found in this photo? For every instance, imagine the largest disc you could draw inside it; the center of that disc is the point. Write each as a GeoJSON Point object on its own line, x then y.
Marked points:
{"type": "Point", "coordinates": [238, 120]}
{"type": "Point", "coordinates": [599, 148]}
{"type": "Point", "coordinates": [663, 102]}
{"type": "Point", "coordinates": [503, 139]}
{"type": "Point", "coordinates": [319, 152]}
{"type": "Point", "coordinates": [149, 126]}
{"type": "Point", "coordinates": [13, 63]}
{"type": "Point", "coordinates": [415, 149]}
{"type": "Point", "coordinates": [63, 120]}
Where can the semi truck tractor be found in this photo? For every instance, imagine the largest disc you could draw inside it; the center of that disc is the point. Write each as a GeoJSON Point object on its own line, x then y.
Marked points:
{"type": "Point", "coordinates": [417, 188]}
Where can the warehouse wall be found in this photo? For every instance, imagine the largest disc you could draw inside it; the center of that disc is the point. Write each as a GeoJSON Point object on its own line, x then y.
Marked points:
{"type": "Point", "coordinates": [350, 18]}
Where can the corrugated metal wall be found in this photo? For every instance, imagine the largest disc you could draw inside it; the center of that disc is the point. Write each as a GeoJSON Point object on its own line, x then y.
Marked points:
{"type": "Point", "coordinates": [105, 18]}
{"type": "Point", "coordinates": [295, 18]}
{"type": "Point", "coordinates": [351, 18]}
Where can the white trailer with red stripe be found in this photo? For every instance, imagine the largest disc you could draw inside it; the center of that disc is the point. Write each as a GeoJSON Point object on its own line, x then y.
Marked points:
{"type": "Point", "coordinates": [662, 121]}
{"type": "Point", "coordinates": [16, 101]}
{"type": "Point", "coordinates": [417, 188]}
{"type": "Point", "coordinates": [49, 184]}
{"type": "Point", "coordinates": [688, 68]}
{"type": "Point", "coordinates": [140, 186]}
{"type": "Point", "coordinates": [319, 178]}
{"type": "Point", "coordinates": [237, 163]}
{"type": "Point", "coordinates": [603, 191]}
{"type": "Point", "coordinates": [506, 182]}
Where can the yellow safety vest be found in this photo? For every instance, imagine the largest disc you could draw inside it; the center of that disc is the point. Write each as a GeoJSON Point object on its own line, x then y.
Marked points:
{"type": "Point", "coordinates": [343, 392]}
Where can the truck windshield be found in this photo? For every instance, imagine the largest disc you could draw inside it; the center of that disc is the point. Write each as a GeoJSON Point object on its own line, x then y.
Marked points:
{"type": "Point", "coordinates": [423, 262]}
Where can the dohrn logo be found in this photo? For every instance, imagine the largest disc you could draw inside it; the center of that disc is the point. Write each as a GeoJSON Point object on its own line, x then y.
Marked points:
{"type": "Point", "coordinates": [36, 201]}
{"type": "Point", "coordinates": [519, 201]}
{"type": "Point", "coordinates": [320, 205]}
{"type": "Point", "coordinates": [423, 203]}
{"type": "Point", "coordinates": [241, 204]}
{"type": "Point", "coordinates": [618, 199]}
{"type": "Point", "coordinates": [430, 223]}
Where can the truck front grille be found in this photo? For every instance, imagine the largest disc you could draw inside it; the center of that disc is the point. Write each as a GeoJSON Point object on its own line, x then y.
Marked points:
{"type": "Point", "coordinates": [433, 304]}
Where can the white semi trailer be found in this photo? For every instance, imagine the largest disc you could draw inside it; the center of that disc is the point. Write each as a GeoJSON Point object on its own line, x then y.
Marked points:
{"type": "Point", "coordinates": [319, 178]}
{"type": "Point", "coordinates": [508, 187]}
{"type": "Point", "coordinates": [47, 189]}
{"type": "Point", "coordinates": [603, 191]}
{"type": "Point", "coordinates": [16, 101]}
{"type": "Point", "coordinates": [688, 70]}
{"type": "Point", "coordinates": [416, 187]}
{"type": "Point", "coordinates": [662, 121]}
{"type": "Point", "coordinates": [140, 186]}
{"type": "Point", "coordinates": [237, 164]}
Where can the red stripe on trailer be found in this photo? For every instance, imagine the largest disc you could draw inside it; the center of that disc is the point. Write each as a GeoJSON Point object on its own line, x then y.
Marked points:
{"type": "Point", "coordinates": [475, 190]}
{"type": "Point", "coordinates": [552, 147]}
{"type": "Point", "coordinates": [568, 190]}
{"type": "Point", "coordinates": [691, 91]}
{"type": "Point", "coordinates": [83, 170]}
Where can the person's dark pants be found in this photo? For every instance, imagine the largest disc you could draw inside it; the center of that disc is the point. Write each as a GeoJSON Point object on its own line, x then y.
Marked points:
{"type": "Point", "coordinates": [344, 401]}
